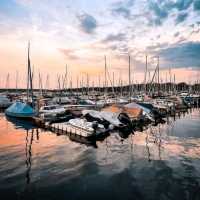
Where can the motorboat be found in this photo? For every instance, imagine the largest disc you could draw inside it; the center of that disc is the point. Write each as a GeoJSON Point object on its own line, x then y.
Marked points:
{"type": "Point", "coordinates": [83, 128]}
{"type": "Point", "coordinates": [54, 113]}
{"type": "Point", "coordinates": [108, 119]}
{"type": "Point", "coordinates": [62, 100]}
{"type": "Point", "coordinates": [52, 109]}
{"type": "Point", "coordinates": [86, 102]}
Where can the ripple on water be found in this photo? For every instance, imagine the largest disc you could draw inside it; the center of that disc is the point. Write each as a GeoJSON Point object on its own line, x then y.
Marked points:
{"type": "Point", "coordinates": [161, 162]}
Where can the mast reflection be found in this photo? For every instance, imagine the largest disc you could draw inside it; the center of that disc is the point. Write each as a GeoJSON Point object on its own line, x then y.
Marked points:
{"type": "Point", "coordinates": [28, 149]}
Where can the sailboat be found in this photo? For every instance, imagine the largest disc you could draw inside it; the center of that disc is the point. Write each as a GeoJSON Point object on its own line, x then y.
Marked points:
{"type": "Point", "coordinates": [23, 109]}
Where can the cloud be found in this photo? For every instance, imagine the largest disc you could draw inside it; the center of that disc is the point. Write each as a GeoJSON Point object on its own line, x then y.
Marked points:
{"type": "Point", "coordinates": [162, 9]}
{"type": "Point", "coordinates": [182, 4]}
{"type": "Point", "coordinates": [69, 53]}
{"type": "Point", "coordinates": [122, 8]}
{"type": "Point", "coordinates": [181, 55]}
{"type": "Point", "coordinates": [122, 11]}
{"type": "Point", "coordinates": [176, 34]}
{"type": "Point", "coordinates": [114, 37]}
{"type": "Point", "coordinates": [158, 11]}
{"type": "Point", "coordinates": [181, 17]}
{"type": "Point", "coordinates": [88, 23]}
{"type": "Point", "coordinates": [196, 5]}
{"type": "Point", "coordinates": [157, 46]}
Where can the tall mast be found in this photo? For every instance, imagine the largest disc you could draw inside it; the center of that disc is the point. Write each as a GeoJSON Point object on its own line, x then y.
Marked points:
{"type": "Point", "coordinates": [129, 75]}
{"type": "Point", "coordinates": [87, 80]}
{"type": "Point", "coordinates": [77, 83]}
{"type": "Point", "coordinates": [47, 82]}
{"type": "Point", "coordinates": [174, 83]}
{"type": "Point", "coordinates": [65, 79]}
{"type": "Point", "coordinates": [145, 76]}
{"type": "Point", "coordinates": [158, 75]}
{"type": "Point", "coordinates": [170, 79]}
{"type": "Point", "coordinates": [8, 81]}
{"type": "Point", "coordinates": [40, 84]}
{"type": "Point", "coordinates": [113, 83]}
{"type": "Point", "coordinates": [16, 83]}
{"type": "Point", "coordinates": [29, 76]}
{"type": "Point", "coordinates": [99, 83]}
{"type": "Point", "coordinates": [105, 83]}
{"type": "Point", "coordinates": [28, 72]}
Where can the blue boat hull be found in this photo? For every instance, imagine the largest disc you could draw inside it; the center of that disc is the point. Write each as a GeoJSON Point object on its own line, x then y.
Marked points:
{"type": "Point", "coordinates": [20, 115]}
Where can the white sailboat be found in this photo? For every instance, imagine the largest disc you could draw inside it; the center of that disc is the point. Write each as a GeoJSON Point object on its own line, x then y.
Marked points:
{"type": "Point", "coordinates": [20, 109]}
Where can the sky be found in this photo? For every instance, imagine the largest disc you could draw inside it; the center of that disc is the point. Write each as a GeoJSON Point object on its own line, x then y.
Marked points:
{"type": "Point", "coordinates": [79, 33]}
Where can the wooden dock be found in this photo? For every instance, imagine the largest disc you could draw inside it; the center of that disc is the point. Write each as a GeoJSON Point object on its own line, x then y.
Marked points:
{"type": "Point", "coordinates": [74, 133]}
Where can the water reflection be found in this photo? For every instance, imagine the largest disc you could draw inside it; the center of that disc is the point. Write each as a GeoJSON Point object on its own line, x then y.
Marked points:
{"type": "Point", "coordinates": [160, 163]}
{"type": "Point", "coordinates": [31, 131]}
{"type": "Point", "coordinates": [29, 143]}
{"type": "Point", "coordinates": [20, 123]}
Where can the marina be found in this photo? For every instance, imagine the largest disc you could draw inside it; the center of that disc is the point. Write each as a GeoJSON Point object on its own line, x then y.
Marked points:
{"type": "Point", "coordinates": [100, 100]}
{"type": "Point", "coordinates": [133, 124]}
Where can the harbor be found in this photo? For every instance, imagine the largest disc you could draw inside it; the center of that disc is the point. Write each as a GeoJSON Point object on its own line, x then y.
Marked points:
{"type": "Point", "coordinates": [100, 100]}
{"type": "Point", "coordinates": [100, 111]}
{"type": "Point", "coordinates": [121, 134]}
{"type": "Point", "coordinates": [60, 144]}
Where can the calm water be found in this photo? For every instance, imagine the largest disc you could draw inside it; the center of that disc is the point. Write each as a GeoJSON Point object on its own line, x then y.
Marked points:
{"type": "Point", "coordinates": [162, 162]}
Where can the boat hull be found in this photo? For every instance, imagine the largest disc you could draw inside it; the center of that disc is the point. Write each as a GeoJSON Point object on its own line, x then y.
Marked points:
{"type": "Point", "coordinates": [19, 115]}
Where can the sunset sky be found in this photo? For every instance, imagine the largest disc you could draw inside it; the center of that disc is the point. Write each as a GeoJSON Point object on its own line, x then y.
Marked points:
{"type": "Point", "coordinates": [80, 32]}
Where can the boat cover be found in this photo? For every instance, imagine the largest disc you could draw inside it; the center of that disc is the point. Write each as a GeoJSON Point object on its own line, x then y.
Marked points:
{"type": "Point", "coordinates": [20, 109]}
{"type": "Point", "coordinates": [108, 116]}
{"type": "Point", "coordinates": [135, 105]}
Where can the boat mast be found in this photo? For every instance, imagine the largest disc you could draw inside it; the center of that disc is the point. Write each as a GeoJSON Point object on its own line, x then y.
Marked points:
{"type": "Point", "coordinates": [129, 76]}
{"type": "Point", "coordinates": [170, 80]}
{"type": "Point", "coordinates": [65, 79]}
{"type": "Point", "coordinates": [28, 72]}
{"type": "Point", "coordinates": [29, 76]}
{"type": "Point", "coordinates": [40, 84]}
{"type": "Point", "coordinates": [105, 83]}
{"type": "Point", "coordinates": [113, 83]}
{"type": "Point", "coordinates": [77, 83]}
{"type": "Point", "coordinates": [16, 83]}
{"type": "Point", "coordinates": [99, 77]}
{"type": "Point", "coordinates": [47, 83]}
{"type": "Point", "coordinates": [158, 75]}
{"type": "Point", "coordinates": [174, 84]}
{"type": "Point", "coordinates": [145, 76]}
{"type": "Point", "coordinates": [87, 81]}
{"type": "Point", "coordinates": [8, 81]}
